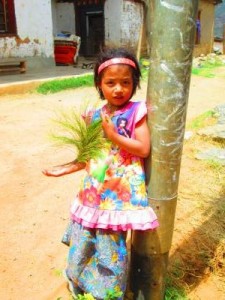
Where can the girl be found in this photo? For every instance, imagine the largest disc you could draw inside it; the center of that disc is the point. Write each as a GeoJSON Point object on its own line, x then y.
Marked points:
{"type": "Point", "coordinates": [112, 198]}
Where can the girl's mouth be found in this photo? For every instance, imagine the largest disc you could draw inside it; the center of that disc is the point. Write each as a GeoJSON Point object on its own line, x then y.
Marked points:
{"type": "Point", "coordinates": [118, 97]}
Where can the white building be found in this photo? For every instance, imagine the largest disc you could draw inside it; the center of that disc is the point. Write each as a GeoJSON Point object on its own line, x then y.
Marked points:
{"type": "Point", "coordinates": [28, 28]}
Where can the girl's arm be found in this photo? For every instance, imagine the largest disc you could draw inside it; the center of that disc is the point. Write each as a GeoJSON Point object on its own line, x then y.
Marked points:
{"type": "Point", "coordinates": [140, 146]}
{"type": "Point", "coordinates": [65, 169]}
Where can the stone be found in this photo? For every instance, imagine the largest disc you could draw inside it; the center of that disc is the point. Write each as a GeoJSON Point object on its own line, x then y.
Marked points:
{"type": "Point", "coordinates": [215, 154]}
{"type": "Point", "coordinates": [220, 113]}
{"type": "Point", "coordinates": [216, 131]}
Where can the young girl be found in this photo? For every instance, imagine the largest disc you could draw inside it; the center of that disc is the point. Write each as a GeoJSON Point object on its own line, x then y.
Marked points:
{"type": "Point", "coordinates": [112, 198]}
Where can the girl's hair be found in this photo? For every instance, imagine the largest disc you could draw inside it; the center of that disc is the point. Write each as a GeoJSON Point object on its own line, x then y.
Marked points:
{"type": "Point", "coordinates": [110, 53]}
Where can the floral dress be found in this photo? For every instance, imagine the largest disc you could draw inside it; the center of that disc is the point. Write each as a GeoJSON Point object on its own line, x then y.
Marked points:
{"type": "Point", "coordinates": [113, 192]}
{"type": "Point", "coordinates": [112, 199]}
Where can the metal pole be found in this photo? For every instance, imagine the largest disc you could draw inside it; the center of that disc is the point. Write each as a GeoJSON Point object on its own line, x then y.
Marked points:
{"type": "Point", "coordinates": [172, 33]}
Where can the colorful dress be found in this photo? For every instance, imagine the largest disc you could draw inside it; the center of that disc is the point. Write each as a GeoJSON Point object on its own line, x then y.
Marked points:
{"type": "Point", "coordinates": [112, 199]}
{"type": "Point", "coordinates": [113, 192]}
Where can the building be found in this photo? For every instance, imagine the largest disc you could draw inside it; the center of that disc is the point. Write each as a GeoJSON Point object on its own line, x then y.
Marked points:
{"type": "Point", "coordinates": [205, 27]}
{"type": "Point", "coordinates": [28, 28]}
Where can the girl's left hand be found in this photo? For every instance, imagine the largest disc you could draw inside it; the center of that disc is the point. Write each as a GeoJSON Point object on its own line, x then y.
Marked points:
{"type": "Point", "coordinates": [107, 125]}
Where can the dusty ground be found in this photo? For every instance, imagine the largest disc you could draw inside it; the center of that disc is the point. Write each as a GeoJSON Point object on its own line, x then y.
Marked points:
{"type": "Point", "coordinates": [34, 209]}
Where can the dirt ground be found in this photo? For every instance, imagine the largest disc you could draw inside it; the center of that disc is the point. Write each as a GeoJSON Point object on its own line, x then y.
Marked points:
{"type": "Point", "coordinates": [34, 209]}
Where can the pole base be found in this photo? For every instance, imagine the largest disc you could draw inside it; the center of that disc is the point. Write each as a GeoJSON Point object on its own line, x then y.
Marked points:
{"type": "Point", "coordinates": [147, 280]}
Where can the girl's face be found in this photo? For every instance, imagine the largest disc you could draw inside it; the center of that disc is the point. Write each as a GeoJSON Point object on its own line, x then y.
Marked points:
{"type": "Point", "coordinates": [117, 84]}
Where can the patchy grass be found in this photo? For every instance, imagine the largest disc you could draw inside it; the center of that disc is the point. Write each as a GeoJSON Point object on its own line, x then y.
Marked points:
{"type": "Point", "coordinates": [205, 67]}
{"type": "Point", "coordinates": [206, 119]}
{"type": "Point", "coordinates": [175, 294]}
{"type": "Point", "coordinates": [57, 85]}
{"type": "Point", "coordinates": [145, 67]}
{"type": "Point", "coordinates": [198, 250]}
{"type": "Point", "coordinates": [202, 71]}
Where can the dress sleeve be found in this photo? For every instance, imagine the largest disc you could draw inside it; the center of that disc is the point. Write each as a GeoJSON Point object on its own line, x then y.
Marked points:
{"type": "Point", "coordinates": [141, 111]}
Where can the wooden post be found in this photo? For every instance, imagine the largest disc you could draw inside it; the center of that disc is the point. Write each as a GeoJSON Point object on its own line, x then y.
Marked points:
{"type": "Point", "coordinates": [172, 31]}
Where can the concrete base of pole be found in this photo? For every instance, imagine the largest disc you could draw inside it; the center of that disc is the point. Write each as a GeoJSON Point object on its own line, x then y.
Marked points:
{"type": "Point", "coordinates": [148, 276]}
{"type": "Point", "coordinates": [150, 252]}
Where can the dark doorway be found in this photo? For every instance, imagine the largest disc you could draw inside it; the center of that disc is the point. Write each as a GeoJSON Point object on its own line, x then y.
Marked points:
{"type": "Point", "coordinates": [90, 28]}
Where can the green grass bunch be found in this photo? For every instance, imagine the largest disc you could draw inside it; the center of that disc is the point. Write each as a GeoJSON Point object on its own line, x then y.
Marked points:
{"type": "Point", "coordinates": [80, 134]}
{"type": "Point", "coordinates": [57, 85]}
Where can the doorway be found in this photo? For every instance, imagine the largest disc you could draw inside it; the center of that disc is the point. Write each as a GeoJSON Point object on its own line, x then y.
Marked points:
{"type": "Point", "coordinates": [90, 28]}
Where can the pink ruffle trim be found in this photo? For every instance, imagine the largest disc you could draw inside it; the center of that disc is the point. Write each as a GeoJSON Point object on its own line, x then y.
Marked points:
{"type": "Point", "coordinates": [142, 219]}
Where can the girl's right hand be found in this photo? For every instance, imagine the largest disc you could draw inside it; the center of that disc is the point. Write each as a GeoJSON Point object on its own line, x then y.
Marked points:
{"type": "Point", "coordinates": [65, 169]}
{"type": "Point", "coordinates": [55, 171]}
{"type": "Point", "coordinates": [108, 125]}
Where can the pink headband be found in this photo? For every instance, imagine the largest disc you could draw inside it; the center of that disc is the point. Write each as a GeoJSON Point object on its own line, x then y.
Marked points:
{"type": "Point", "coordinates": [115, 61]}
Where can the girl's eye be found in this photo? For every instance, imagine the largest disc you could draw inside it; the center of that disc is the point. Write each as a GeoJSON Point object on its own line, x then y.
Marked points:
{"type": "Point", "coordinates": [110, 83]}
{"type": "Point", "coordinates": [126, 82]}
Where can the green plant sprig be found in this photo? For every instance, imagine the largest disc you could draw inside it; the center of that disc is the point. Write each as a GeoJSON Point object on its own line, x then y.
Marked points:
{"type": "Point", "coordinates": [85, 137]}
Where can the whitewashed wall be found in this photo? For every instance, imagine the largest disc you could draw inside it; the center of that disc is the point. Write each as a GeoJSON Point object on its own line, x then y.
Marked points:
{"type": "Point", "coordinates": [113, 10]}
{"type": "Point", "coordinates": [65, 18]}
{"type": "Point", "coordinates": [123, 20]}
{"type": "Point", "coordinates": [34, 31]}
{"type": "Point", "coordinates": [39, 20]}
{"type": "Point", "coordinates": [132, 18]}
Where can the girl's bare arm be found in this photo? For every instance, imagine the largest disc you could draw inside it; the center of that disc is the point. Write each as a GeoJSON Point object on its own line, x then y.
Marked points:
{"type": "Point", "coordinates": [140, 146]}
{"type": "Point", "coordinates": [64, 169]}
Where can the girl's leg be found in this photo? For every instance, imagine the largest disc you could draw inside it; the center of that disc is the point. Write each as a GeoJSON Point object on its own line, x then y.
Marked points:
{"type": "Point", "coordinates": [81, 250]}
{"type": "Point", "coordinates": [107, 269]}
{"type": "Point", "coordinates": [67, 234]}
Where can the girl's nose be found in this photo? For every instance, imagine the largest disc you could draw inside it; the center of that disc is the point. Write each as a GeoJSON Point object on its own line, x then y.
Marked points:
{"type": "Point", "coordinates": [118, 88]}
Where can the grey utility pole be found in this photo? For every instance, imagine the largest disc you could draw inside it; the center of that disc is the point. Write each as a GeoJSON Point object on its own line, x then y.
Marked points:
{"type": "Point", "coordinates": [172, 26]}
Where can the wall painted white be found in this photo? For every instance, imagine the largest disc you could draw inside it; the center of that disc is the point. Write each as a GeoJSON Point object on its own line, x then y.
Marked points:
{"type": "Point", "coordinates": [65, 18]}
{"type": "Point", "coordinates": [132, 19]}
{"type": "Point", "coordinates": [112, 11]}
{"type": "Point", "coordinates": [54, 18]}
{"type": "Point", "coordinates": [38, 22]}
{"type": "Point", "coordinates": [34, 30]}
{"type": "Point", "coordinates": [123, 20]}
